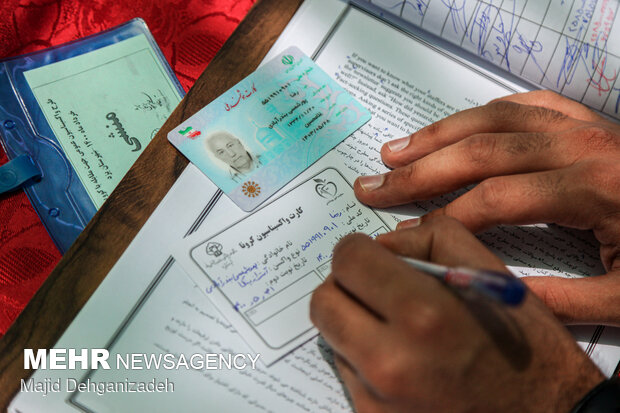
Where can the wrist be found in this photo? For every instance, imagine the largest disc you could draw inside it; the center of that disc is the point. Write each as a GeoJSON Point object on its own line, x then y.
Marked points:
{"type": "Point", "coordinates": [576, 380]}
{"type": "Point", "coordinates": [603, 398]}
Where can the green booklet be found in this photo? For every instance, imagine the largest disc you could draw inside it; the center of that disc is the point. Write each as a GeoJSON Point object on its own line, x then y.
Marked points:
{"type": "Point", "coordinates": [83, 112]}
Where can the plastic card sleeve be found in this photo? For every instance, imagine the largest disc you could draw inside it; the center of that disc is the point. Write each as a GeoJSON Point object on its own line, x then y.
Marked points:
{"type": "Point", "coordinates": [83, 112]}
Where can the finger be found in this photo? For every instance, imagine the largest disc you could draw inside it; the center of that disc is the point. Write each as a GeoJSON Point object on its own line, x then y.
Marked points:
{"type": "Point", "coordinates": [553, 101]}
{"type": "Point", "coordinates": [363, 399]}
{"type": "Point", "coordinates": [442, 240]}
{"type": "Point", "coordinates": [497, 117]}
{"type": "Point", "coordinates": [609, 235]}
{"type": "Point", "coordinates": [409, 223]}
{"type": "Point", "coordinates": [345, 324]}
{"type": "Point", "coordinates": [610, 253]}
{"type": "Point", "coordinates": [380, 280]}
{"type": "Point", "coordinates": [547, 197]}
{"type": "Point", "coordinates": [591, 300]}
{"type": "Point", "coordinates": [471, 160]}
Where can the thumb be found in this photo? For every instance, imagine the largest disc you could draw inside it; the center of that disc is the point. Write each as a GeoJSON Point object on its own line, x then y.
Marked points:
{"type": "Point", "coordinates": [590, 300]}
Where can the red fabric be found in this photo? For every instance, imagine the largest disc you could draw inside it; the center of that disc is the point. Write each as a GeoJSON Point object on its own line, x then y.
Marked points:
{"type": "Point", "coordinates": [189, 32]}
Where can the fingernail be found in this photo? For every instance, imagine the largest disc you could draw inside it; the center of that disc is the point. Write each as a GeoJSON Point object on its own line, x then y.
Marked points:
{"type": "Point", "coordinates": [410, 223]}
{"type": "Point", "coordinates": [371, 182]}
{"type": "Point", "coordinates": [398, 144]}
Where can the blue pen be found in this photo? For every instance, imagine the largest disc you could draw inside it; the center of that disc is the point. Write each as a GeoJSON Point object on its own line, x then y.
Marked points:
{"type": "Point", "coordinates": [499, 286]}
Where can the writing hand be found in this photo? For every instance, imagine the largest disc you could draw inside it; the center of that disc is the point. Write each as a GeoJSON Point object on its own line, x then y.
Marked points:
{"type": "Point", "coordinates": [404, 342]}
{"type": "Point", "coordinates": [537, 158]}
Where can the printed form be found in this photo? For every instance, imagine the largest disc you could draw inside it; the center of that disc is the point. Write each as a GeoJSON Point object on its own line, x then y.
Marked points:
{"type": "Point", "coordinates": [261, 271]}
{"type": "Point", "coordinates": [572, 47]}
{"type": "Point", "coordinates": [159, 309]}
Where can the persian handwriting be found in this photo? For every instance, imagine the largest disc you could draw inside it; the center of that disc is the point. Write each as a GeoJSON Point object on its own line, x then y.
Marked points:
{"type": "Point", "coordinates": [80, 148]}
{"type": "Point", "coordinates": [566, 46]}
{"type": "Point", "coordinates": [153, 101]}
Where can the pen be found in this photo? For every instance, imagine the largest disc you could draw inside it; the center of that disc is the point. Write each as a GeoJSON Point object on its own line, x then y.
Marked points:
{"type": "Point", "coordinates": [499, 286]}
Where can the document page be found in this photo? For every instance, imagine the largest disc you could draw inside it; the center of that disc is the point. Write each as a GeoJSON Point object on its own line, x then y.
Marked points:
{"type": "Point", "coordinates": [572, 47]}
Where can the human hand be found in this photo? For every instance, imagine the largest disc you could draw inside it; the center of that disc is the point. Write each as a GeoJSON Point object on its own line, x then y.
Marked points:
{"type": "Point", "coordinates": [537, 158]}
{"type": "Point", "coordinates": [403, 342]}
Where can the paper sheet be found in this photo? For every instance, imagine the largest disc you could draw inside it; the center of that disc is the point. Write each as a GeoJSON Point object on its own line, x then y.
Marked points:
{"type": "Point", "coordinates": [572, 47]}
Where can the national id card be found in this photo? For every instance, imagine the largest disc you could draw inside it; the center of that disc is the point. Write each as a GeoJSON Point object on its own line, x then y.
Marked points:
{"type": "Point", "coordinates": [271, 126]}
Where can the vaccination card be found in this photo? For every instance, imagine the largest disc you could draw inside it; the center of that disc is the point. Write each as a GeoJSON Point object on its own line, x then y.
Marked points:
{"type": "Point", "coordinates": [271, 126]}
{"type": "Point", "coordinates": [260, 272]}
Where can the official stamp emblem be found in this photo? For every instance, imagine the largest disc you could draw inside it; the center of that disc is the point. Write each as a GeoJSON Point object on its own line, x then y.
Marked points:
{"type": "Point", "coordinates": [214, 248]}
{"type": "Point", "coordinates": [325, 189]}
{"type": "Point", "coordinates": [251, 189]}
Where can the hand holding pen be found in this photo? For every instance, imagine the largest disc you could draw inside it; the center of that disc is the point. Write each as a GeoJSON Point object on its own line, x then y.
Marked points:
{"type": "Point", "coordinates": [404, 343]}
